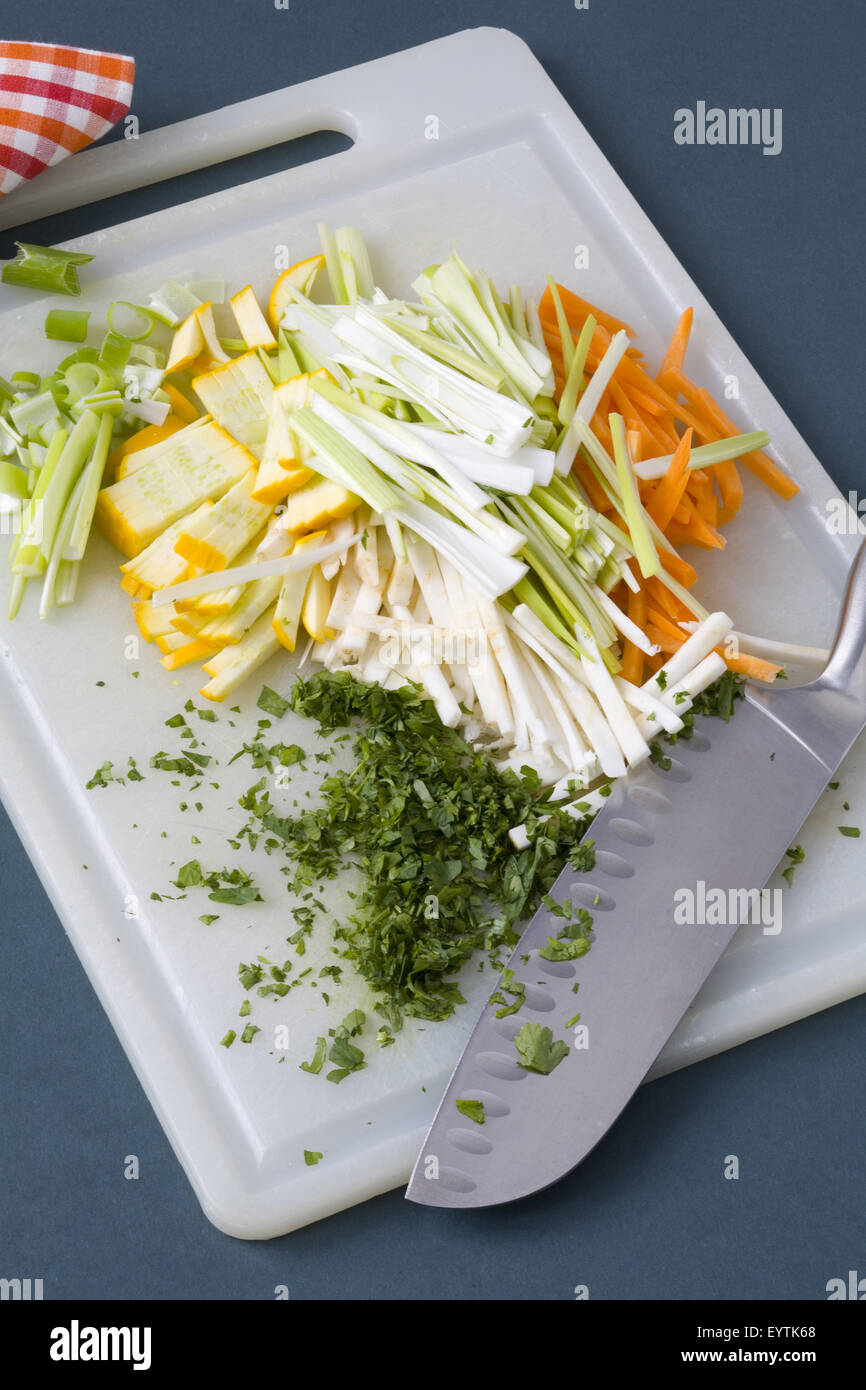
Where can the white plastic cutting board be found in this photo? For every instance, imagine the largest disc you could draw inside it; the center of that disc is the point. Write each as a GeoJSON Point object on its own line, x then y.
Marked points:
{"type": "Point", "coordinates": [240, 1119]}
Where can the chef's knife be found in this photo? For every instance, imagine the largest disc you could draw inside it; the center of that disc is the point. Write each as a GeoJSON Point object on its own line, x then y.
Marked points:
{"type": "Point", "coordinates": [719, 818]}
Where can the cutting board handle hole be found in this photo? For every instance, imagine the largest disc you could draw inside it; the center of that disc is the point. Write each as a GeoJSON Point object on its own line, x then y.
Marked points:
{"type": "Point", "coordinates": [156, 197]}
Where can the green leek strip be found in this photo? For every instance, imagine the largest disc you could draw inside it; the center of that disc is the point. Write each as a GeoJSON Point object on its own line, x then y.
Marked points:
{"type": "Point", "coordinates": [25, 548]}
{"type": "Point", "coordinates": [576, 380]}
{"type": "Point", "coordinates": [86, 379]}
{"type": "Point", "coordinates": [236, 345]}
{"type": "Point", "coordinates": [63, 479]}
{"type": "Point", "coordinates": [332, 263]}
{"type": "Point", "coordinates": [145, 315]}
{"type": "Point", "coordinates": [705, 455]}
{"type": "Point", "coordinates": [61, 536]}
{"type": "Point", "coordinates": [44, 268]}
{"type": "Point", "coordinates": [93, 471]}
{"type": "Point", "coordinates": [563, 326]}
{"type": "Point", "coordinates": [346, 463]}
{"type": "Point", "coordinates": [26, 381]}
{"type": "Point", "coordinates": [16, 594]}
{"type": "Point", "coordinates": [355, 263]}
{"type": "Point", "coordinates": [67, 582]}
{"type": "Point", "coordinates": [115, 351]}
{"type": "Point", "coordinates": [67, 325]}
{"type": "Point", "coordinates": [444, 351]}
{"type": "Point", "coordinates": [647, 556]}
{"type": "Point", "coordinates": [13, 482]}
{"type": "Point", "coordinates": [527, 591]}
{"type": "Point", "coordinates": [271, 366]}
{"type": "Point", "coordinates": [110, 402]}
{"type": "Point", "coordinates": [288, 362]}
{"type": "Point", "coordinates": [30, 414]}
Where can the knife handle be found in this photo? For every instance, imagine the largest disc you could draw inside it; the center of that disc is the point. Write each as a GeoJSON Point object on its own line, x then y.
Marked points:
{"type": "Point", "coordinates": [846, 667]}
{"type": "Point", "coordinates": [829, 713]}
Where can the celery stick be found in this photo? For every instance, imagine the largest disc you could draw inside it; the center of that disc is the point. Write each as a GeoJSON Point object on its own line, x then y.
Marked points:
{"type": "Point", "coordinates": [576, 380]}
{"type": "Point", "coordinates": [26, 549]}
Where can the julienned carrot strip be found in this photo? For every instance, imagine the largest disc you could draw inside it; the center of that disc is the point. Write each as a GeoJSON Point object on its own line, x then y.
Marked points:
{"type": "Point", "coordinates": [683, 514]}
{"type": "Point", "coordinates": [596, 494]}
{"type": "Point", "coordinates": [671, 487]}
{"type": "Point", "coordinates": [678, 568]}
{"type": "Point", "coordinates": [635, 441]}
{"type": "Point", "coordinates": [730, 486]}
{"type": "Point", "coordinates": [753, 666]}
{"type": "Point", "coordinates": [663, 622]}
{"type": "Point", "coordinates": [675, 355]}
{"type": "Point", "coordinates": [705, 502]}
{"type": "Point", "coordinates": [665, 640]}
{"type": "Point", "coordinates": [577, 309]}
{"type": "Point", "coordinates": [632, 656]}
{"type": "Point", "coordinates": [701, 531]}
{"type": "Point", "coordinates": [757, 462]}
{"type": "Point", "coordinates": [691, 535]}
{"type": "Point", "coordinates": [661, 597]}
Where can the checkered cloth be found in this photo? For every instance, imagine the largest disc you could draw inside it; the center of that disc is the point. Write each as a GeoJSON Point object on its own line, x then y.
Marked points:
{"type": "Point", "coordinates": [54, 101]}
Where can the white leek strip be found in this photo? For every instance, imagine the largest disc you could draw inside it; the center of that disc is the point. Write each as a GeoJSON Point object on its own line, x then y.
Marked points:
{"type": "Point", "coordinates": [705, 455]}
{"type": "Point", "coordinates": [395, 535]}
{"type": "Point", "coordinates": [712, 631]}
{"type": "Point", "coordinates": [635, 517]}
{"type": "Point", "coordinates": [587, 805]}
{"type": "Point", "coordinates": [681, 695]}
{"type": "Point", "coordinates": [340, 461]}
{"type": "Point", "coordinates": [518, 680]}
{"type": "Point", "coordinates": [577, 753]}
{"type": "Point", "coordinates": [487, 525]}
{"type": "Point", "coordinates": [589, 402]}
{"type": "Point", "coordinates": [530, 623]}
{"type": "Point", "coordinates": [431, 583]}
{"type": "Point", "coordinates": [623, 726]}
{"type": "Point", "coordinates": [780, 652]}
{"type": "Point", "coordinates": [464, 451]}
{"type": "Point", "coordinates": [450, 395]}
{"type": "Point", "coordinates": [153, 412]}
{"type": "Point", "coordinates": [401, 581]}
{"type": "Point", "coordinates": [377, 442]}
{"type": "Point", "coordinates": [656, 710]}
{"type": "Point", "coordinates": [173, 302]}
{"type": "Point", "coordinates": [489, 571]}
{"type": "Point", "coordinates": [487, 680]}
{"type": "Point", "coordinates": [623, 624]}
{"type": "Point", "coordinates": [246, 574]}
{"type": "Point", "coordinates": [353, 639]}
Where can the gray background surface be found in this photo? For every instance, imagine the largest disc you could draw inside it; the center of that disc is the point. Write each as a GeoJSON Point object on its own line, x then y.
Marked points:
{"type": "Point", "coordinates": [774, 244]}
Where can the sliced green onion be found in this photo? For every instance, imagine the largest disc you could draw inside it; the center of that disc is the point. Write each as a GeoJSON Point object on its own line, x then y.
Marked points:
{"type": "Point", "coordinates": [25, 381]}
{"type": "Point", "coordinates": [67, 325]}
{"type": "Point", "coordinates": [44, 268]}
{"type": "Point", "coordinates": [115, 350]}
{"type": "Point", "coordinates": [139, 311]}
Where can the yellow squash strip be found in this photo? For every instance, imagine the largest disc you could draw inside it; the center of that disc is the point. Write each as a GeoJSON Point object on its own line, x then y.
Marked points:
{"type": "Point", "coordinates": [159, 564]}
{"type": "Point", "coordinates": [250, 320]}
{"type": "Point", "coordinates": [231, 667]}
{"type": "Point", "coordinates": [300, 277]}
{"type": "Point", "coordinates": [233, 521]}
{"type": "Point", "coordinates": [317, 503]}
{"type": "Point", "coordinates": [238, 394]}
{"type": "Point", "coordinates": [293, 592]}
{"type": "Point", "coordinates": [199, 462]}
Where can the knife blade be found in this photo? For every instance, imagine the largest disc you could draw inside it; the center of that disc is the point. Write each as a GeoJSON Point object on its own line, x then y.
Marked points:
{"type": "Point", "coordinates": [682, 855]}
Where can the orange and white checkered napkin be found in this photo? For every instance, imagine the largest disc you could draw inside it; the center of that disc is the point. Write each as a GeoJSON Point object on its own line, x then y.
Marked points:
{"type": "Point", "coordinates": [53, 101]}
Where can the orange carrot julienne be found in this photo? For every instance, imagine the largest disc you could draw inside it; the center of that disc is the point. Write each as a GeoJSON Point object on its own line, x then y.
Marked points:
{"type": "Point", "coordinates": [577, 310]}
{"type": "Point", "coordinates": [757, 462]}
{"type": "Point", "coordinates": [753, 666]}
{"type": "Point", "coordinates": [678, 568]}
{"type": "Point", "coordinates": [675, 355]}
{"type": "Point", "coordinates": [671, 487]}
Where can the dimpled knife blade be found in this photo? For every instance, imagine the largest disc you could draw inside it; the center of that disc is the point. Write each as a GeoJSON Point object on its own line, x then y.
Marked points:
{"type": "Point", "coordinates": [722, 815]}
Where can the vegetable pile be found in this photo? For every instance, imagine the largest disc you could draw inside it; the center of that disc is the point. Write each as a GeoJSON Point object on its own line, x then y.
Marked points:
{"type": "Point", "coordinates": [480, 495]}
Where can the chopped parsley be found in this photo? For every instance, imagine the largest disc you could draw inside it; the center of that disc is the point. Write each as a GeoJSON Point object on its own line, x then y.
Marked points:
{"type": "Point", "coordinates": [472, 1109]}
{"type": "Point", "coordinates": [852, 831]}
{"type": "Point", "coordinates": [796, 855]}
{"type": "Point", "coordinates": [536, 1049]}
{"type": "Point", "coordinates": [271, 702]}
{"type": "Point", "coordinates": [311, 1157]}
